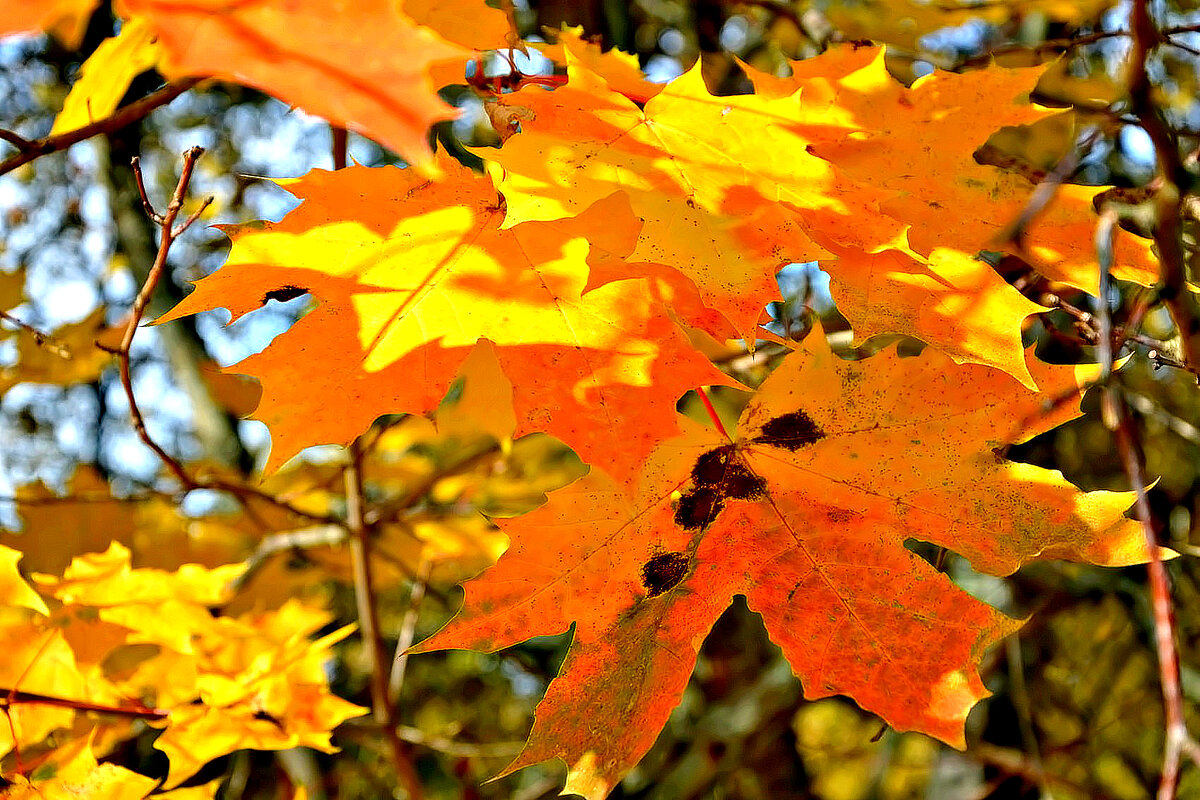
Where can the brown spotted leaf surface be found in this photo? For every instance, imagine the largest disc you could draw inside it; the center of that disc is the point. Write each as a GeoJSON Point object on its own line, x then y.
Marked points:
{"type": "Point", "coordinates": [834, 465]}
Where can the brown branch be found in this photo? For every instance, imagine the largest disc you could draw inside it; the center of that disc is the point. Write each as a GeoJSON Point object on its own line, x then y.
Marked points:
{"type": "Point", "coordinates": [1044, 192]}
{"type": "Point", "coordinates": [126, 115]}
{"type": "Point", "coordinates": [166, 223]}
{"type": "Point", "coordinates": [1118, 420]}
{"type": "Point", "coordinates": [12, 697]}
{"type": "Point", "coordinates": [382, 710]}
{"type": "Point", "coordinates": [16, 140]}
{"type": "Point", "coordinates": [169, 232]}
{"type": "Point", "coordinates": [408, 629]}
{"type": "Point", "coordinates": [40, 337]}
{"type": "Point", "coordinates": [390, 510]}
{"type": "Point", "coordinates": [1168, 200]}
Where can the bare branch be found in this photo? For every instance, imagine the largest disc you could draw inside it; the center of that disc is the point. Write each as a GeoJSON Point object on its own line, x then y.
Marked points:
{"type": "Point", "coordinates": [43, 339]}
{"type": "Point", "coordinates": [382, 710]}
{"type": "Point", "coordinates": [1118, 420]}
{"type": "Point", "coordinates": [1173, 175]}
{"type": "Point", "coordinates": [126, 115]}
{"type": "Point", "coordinates": [12, 697]}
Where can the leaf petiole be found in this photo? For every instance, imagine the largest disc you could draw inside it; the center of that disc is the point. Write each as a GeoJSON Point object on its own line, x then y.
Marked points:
{"type": "Point", "coordinates": [712, 412]}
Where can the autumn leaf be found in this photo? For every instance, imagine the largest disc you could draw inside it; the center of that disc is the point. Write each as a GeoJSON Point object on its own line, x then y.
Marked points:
{"type": "Point", "coordinates": [363, 65]}
{"type": "Point", "coordinates": [620, 70]}
{"type": "Point", "coordinates": [14, 591]}
{"type": "Point", "coordinates": [261, 683]}
{"type": "Point", "coordinates": [105, 76]}
{"type": "Point", "coordinates": [12, 290]}
{"type": "Point", "coordinates": [727, 190]}
{"type": "Point", "coordinates": [70, 355]}
{"type": "Point", "coordinates": [833, 467]}
{"type": "Point", "coordinates": [37, 659]}
{"type": "Point", "coordinates": [78, 774]}
{"type": "Point", "coordinates": [159, 607]}
{"type": "Point", "coordinates": [66, 19]}
{"type": "Point", "coordinates": [410, 274]}
{"type": "Point", "coordinates": [920, 142]}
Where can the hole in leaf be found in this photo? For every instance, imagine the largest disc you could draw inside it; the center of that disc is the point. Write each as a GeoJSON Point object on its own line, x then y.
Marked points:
{"type": "Point", "coordinates": [930, 553]}
{"type": "Point", "coordinates": [664, 572]}
{"type": "Point", "coordinates": [284, 293]}
{"type": "Point", "coordinates": [791, 431]}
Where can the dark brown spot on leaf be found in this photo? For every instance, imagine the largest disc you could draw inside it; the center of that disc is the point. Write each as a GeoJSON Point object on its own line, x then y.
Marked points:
{"type": "Point", "coordinates": [698, 508]}
{"type": "Point", "coordinates": [722, 470]}
{"type": "Point", "coordinates": [284, 293]}
{"type": "Point", "coordinates": [663, 572]}
{"type": "Point", "coordinates": [791, 431]}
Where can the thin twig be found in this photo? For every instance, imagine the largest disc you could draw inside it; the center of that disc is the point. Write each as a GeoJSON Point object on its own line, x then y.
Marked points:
{"type": "Point", "coordinates": [166, 223]}
{"type": "Point", "coordinates": [391, 509]}
{"type": "Point", "coordinates": [382, 710]}
{"type": "Point", "coordinates": [1045, 191]}
{"type": "Point", "coordinates": [14, 697]}
{"type": "Point", "coordinates": [408, 629]}
{"type": "Point", "coordinates": [126, 115]}
{"type": "Point", "coordinates": [16, 140]}
{"type": "Point", "coordinates": [42, 338]}
{"type": "Point", "coordinates": [169, 231]}
{"type": "Point", "coordinates": [315, 536]}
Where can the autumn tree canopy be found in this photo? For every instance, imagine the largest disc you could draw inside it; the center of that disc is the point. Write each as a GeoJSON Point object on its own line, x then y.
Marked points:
{"type": "Point", "coordinates": [814, 372]}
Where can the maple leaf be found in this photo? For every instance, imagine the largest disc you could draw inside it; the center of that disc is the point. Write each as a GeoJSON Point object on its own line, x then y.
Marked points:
{"type": "Point", "coordinates": [920, 144]}
{"type": "Point", "coordinates": [70, 356]}
{"type": "Point", "coordinates": [38, 659]}
{"type": "Point", "coordinates": [78, 774]}
{"type": "Point", "coordinates": [14, 591]}
{"type": "Point", "coordinates": [261, 684]}
{"type": "Point", "coordinates": [620, 70]}
{"type": "Point", "coordinates": [159, 607]}
{"type": "Point", "coordinates": [362, 64]}
{"type": "Point", "coordinates": [833, 467]}
{"type": "Point", "coordinates": [409, 274]}
{"type": "Point", "coordinates": [728, 193]}
{"type": "Point", "coordinates": [66, 19]}
{"type": "Point", "coordinates": [105, 76]}
{"type": "Point", "coordinates": [730, 189]}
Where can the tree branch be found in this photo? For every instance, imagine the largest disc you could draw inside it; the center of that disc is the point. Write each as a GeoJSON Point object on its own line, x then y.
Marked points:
{"type": "Point", "coordinates": [1117, 419]}
{"type": "Point", "coordinates": [30, 150]}
{"type": "Point", "coordinates": [382, 710]}
{"type": "Point", "coordinates": [1175, 180]}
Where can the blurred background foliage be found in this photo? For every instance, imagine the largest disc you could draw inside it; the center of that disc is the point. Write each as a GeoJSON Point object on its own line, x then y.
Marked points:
{"type": "Point", "coordinates": [1076, 710]}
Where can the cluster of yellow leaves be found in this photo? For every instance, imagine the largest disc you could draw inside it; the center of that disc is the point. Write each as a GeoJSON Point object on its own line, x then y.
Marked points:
{"type": "Point", "coordinates": [103, 648]}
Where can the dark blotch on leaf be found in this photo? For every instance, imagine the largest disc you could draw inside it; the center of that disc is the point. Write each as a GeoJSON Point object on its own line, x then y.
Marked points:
{"type": "Point", "coordinates": [664, 572]}
{"type": "Point", "coordinates": [711, 467]}
{"type": "Point", "coordinates": [791, 431]}
{"type": "Point", "coordinates": [722, 471]}
{"type": "Point", "coordinates": [698, 508]}
{"type": "Point", "coordinates": [284, 293]}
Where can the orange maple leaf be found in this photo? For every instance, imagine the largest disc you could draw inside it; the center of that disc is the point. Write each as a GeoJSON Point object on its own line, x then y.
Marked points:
{"type": "Point", "coordinates": [730, 190]}
{"type": "Point", "coordinates": [728, 193]}
{"type": "Point", "coordinates": [362, 64]}
{"type": "Point", "coordinates": [66, 19]}
{"type": "Point", "coordinates": [833, 467]}
{"type": "Point", "coordinates": [919, 143]}
{"type": "Point", "coordinates": [410, 274]}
